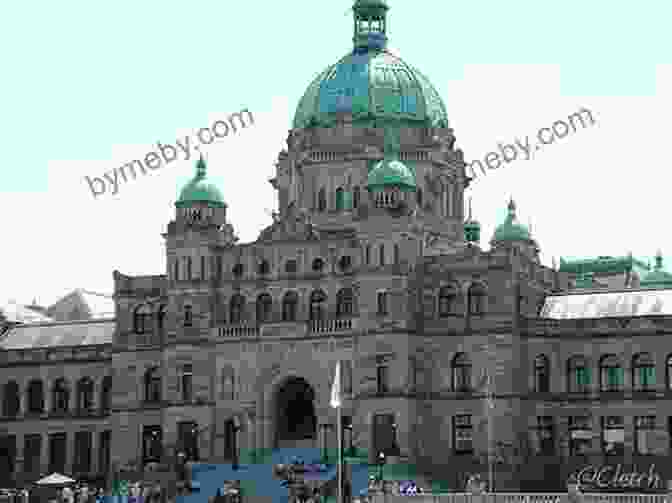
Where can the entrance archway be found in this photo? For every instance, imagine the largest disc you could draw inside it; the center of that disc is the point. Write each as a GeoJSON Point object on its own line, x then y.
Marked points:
{"type": "Point", "coordinates": [295, 417]}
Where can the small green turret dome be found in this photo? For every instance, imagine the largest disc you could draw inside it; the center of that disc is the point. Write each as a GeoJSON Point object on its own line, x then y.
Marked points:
{"type": "Point", "coordinates": [658, 277]}
{"type": "Point", "coordinates": [511, 229]}
{"type": "Point", "coordinates": [200, 190]}
{"type": "Point", "coordinates": [391, 173]}
{"type": "Point", "coordinates": [472, 229]}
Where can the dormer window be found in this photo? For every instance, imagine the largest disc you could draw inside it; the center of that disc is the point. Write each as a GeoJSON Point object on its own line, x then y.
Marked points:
{"type": "Point", "coordinates": [238, 270]}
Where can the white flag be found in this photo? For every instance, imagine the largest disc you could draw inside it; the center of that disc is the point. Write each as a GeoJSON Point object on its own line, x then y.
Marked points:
{"type": "Point", "coordinates": [336, 387]}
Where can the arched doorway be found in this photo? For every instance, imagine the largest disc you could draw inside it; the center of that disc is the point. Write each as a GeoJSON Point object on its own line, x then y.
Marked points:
{"type": "Point", "coordinates": [295, 417]}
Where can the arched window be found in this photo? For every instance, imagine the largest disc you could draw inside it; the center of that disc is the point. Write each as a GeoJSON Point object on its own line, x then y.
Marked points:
{"type": "Point", "coordinates": [578, 375]}
{"type": "Point", "coordinates": [11, 401]}
{"type": "Point", "coordinates": [318, 265]}
{"type": "Point", "coordinates": [340, 199]}
{"type": "Point", "coordinates": [643, 372]}
{"type": "Point", "coordinates": [542, 381]}
{"type": "Point", "coordinates": [176, 272]}
{"type": "Point", "coordinates": [60, 396]}
{"type": "Point", "coordinates": [418, 196]}
{"type": "Point", "coordinates": [611, 373]}
{"type": "Point", "coordinates": [367, 255]}
{"type": "Point", "coordinates": [317, 300]}
{"type": "Point", "coordinates": [188, 316]}
{"type": "Point", "coordinates": [35, 392]}
{"type": "Point", "coordinates": [84, 395]}
{"type": "Point", "coordinates": [448, 301]}
{"type": "Point", "coordinates": [476, 295]}
{"type": "Point", "coordinates": [381, 254]}
{"type": "Point", "coordinates": [264, 308]}
{"type": "Point", "coordinates": [106, 394]}
{"type": "Point", "coordinates": [345, 263]}
{"type": "Point", "coordinates": [345, 302]}
{"type": "Point", "coordinates": [461, 367]}
{"type": "Point", "coordinates": [161, 318]}
{"type": "Point", "coordinates": [228, 383]}
{"type": "Point", "coordinates": [142, 319]}
{"type": "Point", "coordinates": [322, 200]}
{"type": "Point", "coordinates": [347, 377]}
{"type": "Point", "coordinates": [356, 195]}
{"type": "Point", "coordinates": [236, 308]}
{"type": "Point", "coordinates": [152, 383]}
{"type": "Point", "coordinates": [668, 371]}
{"type": "Point", "coordinates": [188, 268]}
{"type": "Point", "coordinates": [290, 304]}
{"type": "Point", "coordinates": [396, 253]}
{"type": "Point", "coordinates": [186, 382]}
{"type": "Point", "coordinates": [264, 268]}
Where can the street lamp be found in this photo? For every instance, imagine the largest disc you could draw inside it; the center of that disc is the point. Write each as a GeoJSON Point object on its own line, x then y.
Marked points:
{"type": "Point", "coordinates": [381, 464]}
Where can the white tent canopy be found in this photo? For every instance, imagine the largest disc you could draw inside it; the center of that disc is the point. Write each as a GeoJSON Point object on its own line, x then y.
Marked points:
{"type": "Point", "coordinates": [55, 479]}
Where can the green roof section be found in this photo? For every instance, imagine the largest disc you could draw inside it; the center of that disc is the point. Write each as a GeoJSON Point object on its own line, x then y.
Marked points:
{"type": "Point", "coordinates": [603, 265]}
{"type": "Point", "coordinates": [371, 83]}
{"type": "Point", "coordinates": [585, 281]}
{"type": "Point", "coordinates": [200, 190]}
{"type": "Point", "coordinates": [658, 278]}
{"type": "Point", "coordinates": [391, 172]}
{"type": "Point", "coordinates": [511, 229]}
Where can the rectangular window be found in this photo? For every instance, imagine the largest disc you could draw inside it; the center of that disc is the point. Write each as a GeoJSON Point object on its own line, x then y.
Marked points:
{"type": "Point", "coordinates": [152, 444]}
{"type": "Point", "coordinates": [8, 459]}
{"type": "Point", "coordinates": [382, 378]}
{"type": "Point", "coordinates": [645, 378]}
{"type": "Point", "coordinates": [82, 452]}
{"type": "Point", "coordinates": [463, 434]}
{"type": "Point", "coordinates": [612, 378]}
{"type": "Point", "coordinates": [645, 434]}
{"type": "Point", "coordinates": [347, 377]}
{"type": "Point", "coordinates": [381, 253]}
{"type": "Point", "coordinates": [580, 435]}
{"type": "Point", "coordinates": [230, 448]}
{"type": "Point", "coordinates": [203, 270]}
{"type": "Point", "coordinates": [382, 302]}
{"type": "Point", "coordinates": [187, 382]}
{"type": "Point", "coordinates": [57, 452]}
{"type": "Point", "coordinates": [367, 255]}
{"type": "Point", "coordinates": [544, 436]}
{"type": "Point", "coordinates": [581, 380]}
{"type": "Point", "coordinates": [384, 434]}
{"type": "Point", "coordinates": [104, 445]}
{"type": "Point", "coordinates": [32, 451]}
{"type": "Point", "coordinates": [613, 436]}
{"type": "Point", "coordinates": [188, 439]}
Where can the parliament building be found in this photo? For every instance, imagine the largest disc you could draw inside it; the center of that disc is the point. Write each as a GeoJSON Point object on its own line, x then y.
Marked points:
{"type": "Point", "coordinates": [454, 354]}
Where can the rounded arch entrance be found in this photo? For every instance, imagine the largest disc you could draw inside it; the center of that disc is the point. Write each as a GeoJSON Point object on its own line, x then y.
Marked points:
{"type": "Point", "coordinates": [294, 413]}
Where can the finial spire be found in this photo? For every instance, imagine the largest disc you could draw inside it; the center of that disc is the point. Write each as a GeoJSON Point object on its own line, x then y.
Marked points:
{"type": "Point", "coordinates": [201, 167]}
{"type": "Point", "coordinates": [659, 260]}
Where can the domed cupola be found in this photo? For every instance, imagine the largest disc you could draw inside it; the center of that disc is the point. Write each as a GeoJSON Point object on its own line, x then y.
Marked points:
{"type": "Point", "coordinates": [370, 83]}
{"type": "Point", "coordinates": [200, 191]}
{"type": "Point", "coordinates": [390, 177]}
{"type": "Point", "coordinates": [658, 278]}
{"type": "Point", "coordinates": [472, 229]}
{"type": "Point", "coordinates": [511, 229]}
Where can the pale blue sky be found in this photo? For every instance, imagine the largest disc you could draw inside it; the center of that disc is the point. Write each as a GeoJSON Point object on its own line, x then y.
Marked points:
{"type": "Point", "coordinates": [88, 86]}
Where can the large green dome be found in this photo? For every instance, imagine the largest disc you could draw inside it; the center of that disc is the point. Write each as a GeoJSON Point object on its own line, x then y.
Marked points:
{"type": "Point", "coordinates": [200, 190]}
{"type": "Point", "coordinates": [511, 229]}
{"type": "Point", "coordinates": [371, 82]}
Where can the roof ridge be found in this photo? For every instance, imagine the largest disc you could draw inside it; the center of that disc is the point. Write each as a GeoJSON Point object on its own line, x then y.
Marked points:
{"type": "Point", "coordinates": [61, 323]}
